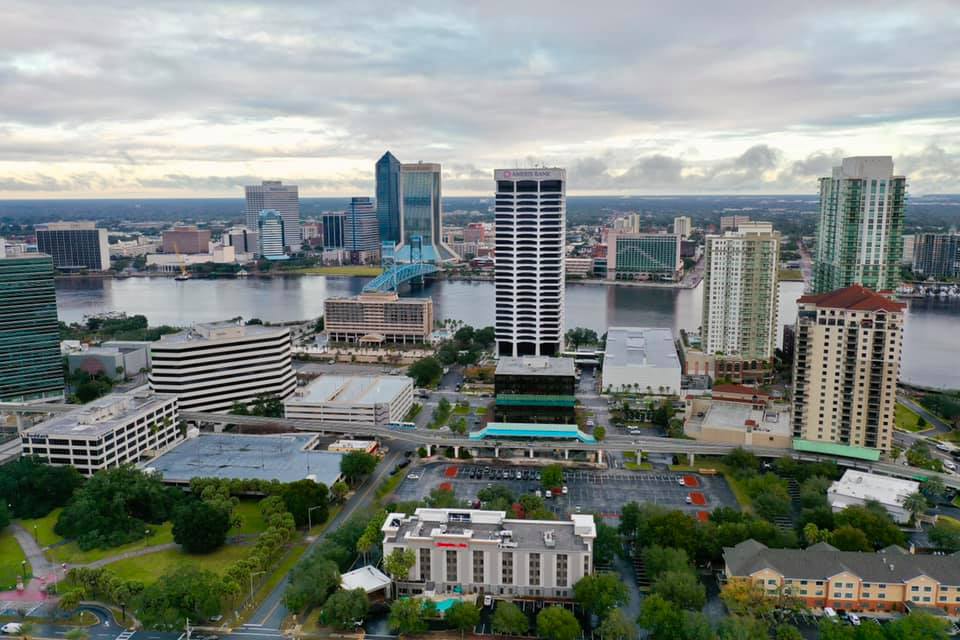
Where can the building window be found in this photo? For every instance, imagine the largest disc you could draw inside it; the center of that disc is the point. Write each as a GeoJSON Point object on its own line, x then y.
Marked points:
{"type": "Point", "coordinates": [478, 567]}
{"type": "Point", "coordinates": [506, 567]}
{"type": "Point", "coordinates": [535, 569]}
{"type": "Point", "coordinates": [425, 564]}
{"type": "Point", "coordinates": [451, 566]}
{"type": "Point", "coordinates": [562, 570]}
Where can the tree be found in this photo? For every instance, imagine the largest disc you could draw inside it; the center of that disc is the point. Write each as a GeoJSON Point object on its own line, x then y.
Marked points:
{"type": "Point", "coordinates": [918, 626]}
{"type": "Point", "coordinates": [463, 616]}
{"type": "Point", "coordinates": [600, 593]}
{"type": "Point", "coordinates": [32, 489]}
{"type": "Point", "coordinates": [509, 619]}
{"type": "Point", "coordinates": [399, 563]}
{"type": "Point", "coordinates": [741, 460]}
{"type": "Point", "coordinates": [4, 514]}
{"type": "Point", "coordinates": [681, 588]}
{"type": "Point", "coordinates": [552, 477]}
{"type": "Point", "coordinates": [406, 617]}
{"type": "Point", "coordinates": [357, 464]}
{"type": "Point", "coordinates": [599, 432]}
{"type": "Point", "coordinates": [180, 593]}
{"type": "Point", "coordinates": [745, 598]}
{"type": "Point", "coordinates": [630, 519]}
{"type": "Point", "coordinates": [607, 543]}
{"type": "Point", "coordinates": [70, 599]}
{"type": "Point", "coordinates": [916, 504]}
{"type": "Point", "coordinates": [200, 527]}
{"type": "Point", "coordinates": [339, 490]}
{"type": "Point", "coordinates": [946, 537]}
{"type": "Point", "coordinates": [934, 489]}
{"type": "Point", "coordinates": [114, 506]}
{"type": "Point", "coordinates": [788, 632]}
{"type": "Point", "coordinates": [846, 538]}
{"type": "Point", "coordinates": [425, 371]}
{"type": "Point", "coordinates": [813, 534]}
{"type": "Point", "coordinates": [556, 623]}
{"type": "Point", "coordinates": [659, 560]}
{"type": "Point", "coordinates": [344, 608]}
{"type": "Point", "coordinates": [581, 336]}
{"type": "Point", "coordinates": [312, 581]}
{"type": "Point", "coordinates": [662, 619]}
{"type": "Point", "coordinates": [829, 630]}
{"type": "Point", "coordinates": [301, 496]}
{"type": "Point", "coordinates": [874, 521]}
{"type": "Point", "coordinates": [742, 628]}
{"type": "Point", "coordinates": [618, 626]}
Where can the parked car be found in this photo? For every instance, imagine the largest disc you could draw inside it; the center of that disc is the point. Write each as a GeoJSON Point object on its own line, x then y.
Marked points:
{"type": "Point", "coordinates": [487, 600]}
{"type": "Point", "coordinates": [413, 476]}
{"type": "Point", "coordinates": [11, 628]}
{"type": "Point", "coordinates": [942, 446]}
{"type": "Point", "coordinates": [853, 619]}
{"type": "Point", "coordinates": [564, 490]}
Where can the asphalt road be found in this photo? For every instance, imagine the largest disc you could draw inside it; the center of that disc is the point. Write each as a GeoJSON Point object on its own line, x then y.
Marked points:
{"type": "Point", "coordinates": [939, 426]}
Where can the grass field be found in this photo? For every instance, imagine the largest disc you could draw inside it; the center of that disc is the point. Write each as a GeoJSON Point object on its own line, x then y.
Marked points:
{"type": "Point", "coordinates": [11, 557]}
{"type": "Point", "coordinates": [906, 419]}
{"type": "Point", "coordinates": [250, 519]}
{"type": "Point", "coordinates": [347, 270]}
{"type": "Point", "coordinates": [160, 534]}
{"type": "Point", "coordinates": [460, 410]}
{"type": "Point", "coordinates": [643, 466]}
{"type": "Point", "coordinates": [44, 530]}
{"type": "Point", "coordinates": [151, 566]}
{"type": "Point", "coordinates": [791, 275]}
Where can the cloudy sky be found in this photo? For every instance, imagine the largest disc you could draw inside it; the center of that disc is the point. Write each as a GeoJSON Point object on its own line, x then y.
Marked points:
{"type": "Point", "coordinates": [178, 99]}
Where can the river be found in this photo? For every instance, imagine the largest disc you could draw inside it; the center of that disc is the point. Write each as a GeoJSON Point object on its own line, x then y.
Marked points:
{"type": "Point", "coordinates": [931, 347]}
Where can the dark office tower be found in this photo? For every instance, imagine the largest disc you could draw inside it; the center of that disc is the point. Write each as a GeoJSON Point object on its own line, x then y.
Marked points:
{"type": "Point", "coordinates": [530, 222]}
{"type": "Point", "coordinates": [30, 362]}
{"type": "Point", "coordinates": [333, 222]}
{"type": "Point", "coordinates": [388, 198]}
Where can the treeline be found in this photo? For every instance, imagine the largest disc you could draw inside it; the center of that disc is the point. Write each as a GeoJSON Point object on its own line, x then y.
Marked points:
{"type": "Point", "coordinates": [100, 329]}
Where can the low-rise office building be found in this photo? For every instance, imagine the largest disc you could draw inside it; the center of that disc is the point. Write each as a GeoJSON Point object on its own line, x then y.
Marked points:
{"type": "Point", "coordinates": [213, 366]}
{"type": "Point", "coordinates": [739, 416]}
{"type": "Point", "coordinates": [349, 446]}
{"type": "Point", "coordinates": [117, 362]}
{"type": "Point", "coordinates": [641, 359]}
{"type": "Point", "coordinates": [891, 579]}
{"type": "Point", "coordinates": [535, 389]}
{"type": "Point", "coordinates": [108, 432]}
{"type": "Point", "coordinates": [857, 488]}
{"type": "Point", "coordinates": [473, 551]}
{"type": "Point", "coordinates": [377, 318]}
{"type": "Point", "coordinates": [363, 400]}
{"type": "Point", "coordinates": [643, 256]}
{"type": "Point", "coordinates": [74, 246]}
{"type": "Point", "coordinates": [186, 240]}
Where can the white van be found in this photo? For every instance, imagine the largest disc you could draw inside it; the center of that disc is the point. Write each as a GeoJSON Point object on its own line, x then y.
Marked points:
{"type": "Point", "coordinates": [828, 612]}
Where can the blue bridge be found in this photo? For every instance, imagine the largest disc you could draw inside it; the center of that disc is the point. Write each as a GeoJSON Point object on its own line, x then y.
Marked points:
{"type": "Point", "coordinates": [396, 275]}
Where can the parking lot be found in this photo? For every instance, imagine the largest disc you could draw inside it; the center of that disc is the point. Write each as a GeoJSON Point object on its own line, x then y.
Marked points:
{"type": "Point", "coordinates": [592, 491]}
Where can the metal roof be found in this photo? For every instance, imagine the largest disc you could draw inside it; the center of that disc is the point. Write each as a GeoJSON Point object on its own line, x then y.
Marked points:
{"type": "Point", "coordinates": [532, 431]}
{"type": "Point", "coordinates": [836, 449]}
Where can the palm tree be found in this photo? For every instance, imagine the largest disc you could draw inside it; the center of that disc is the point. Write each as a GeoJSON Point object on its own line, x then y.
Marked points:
{"type": "Point", "coordinates": [916, 504]}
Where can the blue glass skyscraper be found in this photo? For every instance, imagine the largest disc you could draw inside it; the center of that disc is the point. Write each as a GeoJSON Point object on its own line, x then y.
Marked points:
{"type": "Point", "coordinates": [420, 213]}
{"type": "Point", "coordinates": [388, 198]}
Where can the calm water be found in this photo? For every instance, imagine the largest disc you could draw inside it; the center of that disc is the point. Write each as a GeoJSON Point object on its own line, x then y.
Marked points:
{"type": "Point", "coordinates": [931, 338]}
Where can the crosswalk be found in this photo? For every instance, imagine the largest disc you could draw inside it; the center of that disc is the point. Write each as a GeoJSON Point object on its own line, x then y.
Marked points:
{"type": "Point", "coordinates": [257, 630]}
{"type": "Point", "coordinates": [126, 635]}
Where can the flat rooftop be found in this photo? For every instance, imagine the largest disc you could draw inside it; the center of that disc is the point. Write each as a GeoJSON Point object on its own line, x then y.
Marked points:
{"type": "Point", "coordinates": [536, 366]}
{"type": "Point", "coordinates": [351, 390]}
{"type": "Point", "coordinates": [736, 415]}
{"type": "Point", "coordinates": [284, 458]}
{"type": "Point", "coordinates": [642, 347]}
{"type": "Point", "coordinates": [491, 526]}
{"type": "Point", "coordinates": [219, 332]}
{"type": "Point", "coordinates": [101, 416]}
{"type": "Point", "coordinates": [869, 486]}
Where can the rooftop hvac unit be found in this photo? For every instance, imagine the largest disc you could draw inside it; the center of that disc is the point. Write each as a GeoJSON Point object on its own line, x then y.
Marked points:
{"type": "Point", "coordinates": [548, 538]}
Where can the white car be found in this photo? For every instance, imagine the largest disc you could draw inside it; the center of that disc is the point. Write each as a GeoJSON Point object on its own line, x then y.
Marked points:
{"type": "Point", "coordinates": [564, 490]}
{"type": "Point", "coordinates": [413, 476]}
{"type": "Point", "coordinates": [854, 619]}
{"type": "Point", "coordinates": [681, 482]}
{"type": "Point", "coordinates": [947, 464]}
{"type": "Point", "coordinates": [942, 446]}
{"type": "Point", "coordinates": [11, 628]}
{"type": "Point", "coordinates": [487, 600]}
{"type": "Point", "coordinates": [828, 612]}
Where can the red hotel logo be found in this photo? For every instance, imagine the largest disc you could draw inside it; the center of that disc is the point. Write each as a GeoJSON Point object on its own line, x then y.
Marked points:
{"type": "Point", "coordinates": [454, 545]}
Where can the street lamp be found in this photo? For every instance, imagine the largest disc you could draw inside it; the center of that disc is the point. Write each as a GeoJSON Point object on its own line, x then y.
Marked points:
{"type": "Point", "coordinates": [255, 573]}
{"type": "Point", "coordinates": [309, 517]}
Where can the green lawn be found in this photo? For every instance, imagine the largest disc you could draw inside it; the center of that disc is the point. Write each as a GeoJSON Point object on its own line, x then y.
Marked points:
{"type": "Point", "coordinates": [44, 531]}
{"type": "Point", "coordinates": [151, 566]}
{"type": "Point", "coordinates": [71, 553]}
{"type": "Point", "coordinates": [460, 410]}
{"type": "Point", "coordinates": [791, 275]}
{"type": "Point", "coordinates": [480, 411]}
{"type": "Point", "coordinates": [907, 420]}
{"type": "Point", "coordinates": [950, 436]}
{"type": "Point", "coordinates": [643, 466]}
{"type": "Point", "coordinates": [11, 557]}
{"type": "Point", "coordinates": [349, 270]}
{"type": "Point", "coordinates": [250, 519]}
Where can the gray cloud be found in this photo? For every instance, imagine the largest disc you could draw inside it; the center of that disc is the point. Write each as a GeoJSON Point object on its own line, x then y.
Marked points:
{"type": "Point", "coordinates": [626, 96]}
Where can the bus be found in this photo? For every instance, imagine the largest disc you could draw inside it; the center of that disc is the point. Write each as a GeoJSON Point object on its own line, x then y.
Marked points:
{"type": "Point", "coordinates": [402, 425]}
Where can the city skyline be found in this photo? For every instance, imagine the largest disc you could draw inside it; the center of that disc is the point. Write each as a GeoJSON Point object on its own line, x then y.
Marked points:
{"type": "Point", "coordinates": [760, 99]}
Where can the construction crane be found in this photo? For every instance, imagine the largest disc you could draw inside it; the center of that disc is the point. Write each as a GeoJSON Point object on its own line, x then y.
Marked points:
{"type": "Point", "coordinates": [184, 274]}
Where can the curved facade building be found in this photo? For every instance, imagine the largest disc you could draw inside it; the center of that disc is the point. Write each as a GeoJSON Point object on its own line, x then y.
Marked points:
{"type": "Point", "coordinates": [530, 223]}
{"type": "Point", "coordinates": [213, 366]}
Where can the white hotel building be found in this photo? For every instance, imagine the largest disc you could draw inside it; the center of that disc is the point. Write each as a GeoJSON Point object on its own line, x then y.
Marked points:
{"type": "Point", "coordinates": [108, 432]}
{"type": "Point", "coordinates": [212, 366]}
{"type": "Point", "coordinates": [530, 226]}
{"type": "Point", "coordinates": [485, 552]}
